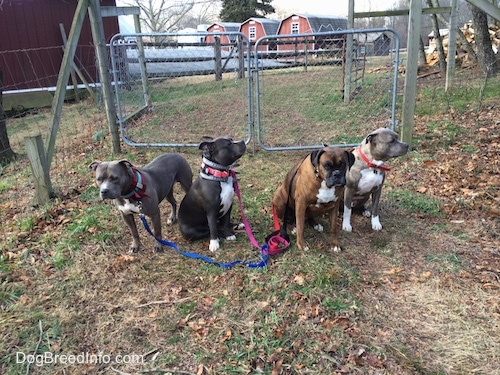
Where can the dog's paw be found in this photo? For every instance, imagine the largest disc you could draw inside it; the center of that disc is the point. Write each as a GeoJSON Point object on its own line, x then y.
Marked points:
{"type": "Point", "coordinates": [367, 213]}
{"type": "Point", "coordinates": [239, 226]}
{"type": "Point", "coordinates": [294, 231]}
{"type": "Point", "coordinates": [214, 245]}
{"type": "Point", "coordinates": [336, 249]}
{"type": "Point", "coordinates": [376, 223]}
{"type": "Point", "coordinates": [158, 249]}
{"type": "Point", "coordinates": [319, 227]}
{"type": "Point", "coordinates": [346, 226]}
{"type": "Point", "coordinates": [303, 247]}
{"type": "Point", "coordinates": [231, 238]}
{"type": "Point", "coordinates": [134, 246]}
{"type": "Point", "coordinates": [171, 220]}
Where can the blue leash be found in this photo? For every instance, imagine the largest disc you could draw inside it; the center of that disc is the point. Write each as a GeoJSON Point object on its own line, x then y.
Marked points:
{"type": "Point", "coordinates": [264, 252]}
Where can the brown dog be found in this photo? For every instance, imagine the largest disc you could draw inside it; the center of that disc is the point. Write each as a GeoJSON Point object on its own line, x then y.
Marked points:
{"type": "Point", "coordinates": [314, 187]}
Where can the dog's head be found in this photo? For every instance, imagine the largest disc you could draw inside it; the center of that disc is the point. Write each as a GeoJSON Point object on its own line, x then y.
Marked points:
{"type": "Point", "coordinates": [222, 150]}
{"type": "Point", "coordinates": [331, 165]}
{"type": "Point", "coordinates": [112, 177]}
{"type": "Point", "coordinates": [385, 144]}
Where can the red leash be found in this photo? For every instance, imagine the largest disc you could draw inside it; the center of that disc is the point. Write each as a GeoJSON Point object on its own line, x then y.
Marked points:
{"type": "Point", "coordinates": [275, 242]}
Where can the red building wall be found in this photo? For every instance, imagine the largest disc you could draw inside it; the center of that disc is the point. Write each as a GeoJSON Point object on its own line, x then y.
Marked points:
{"type": "Point", "coordinates": [286, 28]}
{"type": "Point", "coordinates": [31, 42]}
{"type": "Point", "coordinates": [224, 39]}
{"type": "Point", "coordinates": [259, 32]}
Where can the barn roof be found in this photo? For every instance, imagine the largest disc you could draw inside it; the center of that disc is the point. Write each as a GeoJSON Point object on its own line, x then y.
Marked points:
{"type": "Point", "coordinates": [321, 23]}
{"type": "Point", "coordinates": [372, 37]}
{"type": "Point", "coordinates": [270, 26]}
{"type": "Point", "coordinates": [228, 26]}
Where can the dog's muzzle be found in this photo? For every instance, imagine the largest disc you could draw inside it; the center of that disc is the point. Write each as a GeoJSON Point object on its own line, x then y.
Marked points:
{"type": "Point", "coordinates": [335, 178]}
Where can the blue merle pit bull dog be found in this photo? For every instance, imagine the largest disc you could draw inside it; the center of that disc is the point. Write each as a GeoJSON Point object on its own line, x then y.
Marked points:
{"type": "Point", "coordinates": [140, 190]}
{"type": "Point", "coordinates": [205, 211]}
{"type": "Point", "coordinates": [366, 177]}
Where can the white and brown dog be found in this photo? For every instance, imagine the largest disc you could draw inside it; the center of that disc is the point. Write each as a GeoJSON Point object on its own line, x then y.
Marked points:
{"type": "Point", "coordinates": [367, 175]}
{"type": "Point", "coordinates": [313, 187]}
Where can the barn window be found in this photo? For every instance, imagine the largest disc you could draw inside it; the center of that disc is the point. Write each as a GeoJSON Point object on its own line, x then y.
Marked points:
{"type": "Point", "coordinates": [295, 28]}
{"type": "Point", "coordinates": [252, 32]}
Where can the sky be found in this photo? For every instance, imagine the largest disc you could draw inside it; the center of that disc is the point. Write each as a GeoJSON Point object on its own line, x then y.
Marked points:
{"type": "Point", "coordinates": [331, 8]}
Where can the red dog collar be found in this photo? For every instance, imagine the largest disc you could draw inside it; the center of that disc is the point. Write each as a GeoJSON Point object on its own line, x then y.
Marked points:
{"type": "Point", "coordinates": [138, 186]}
{"type": "Point", "coordinates": [382, 167]}
{"type": "Point", "coordinates": [215, 172]}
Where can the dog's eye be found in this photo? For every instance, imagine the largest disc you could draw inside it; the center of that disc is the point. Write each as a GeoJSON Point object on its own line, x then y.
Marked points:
{"type": "Point", "coordinates": [328, 165]}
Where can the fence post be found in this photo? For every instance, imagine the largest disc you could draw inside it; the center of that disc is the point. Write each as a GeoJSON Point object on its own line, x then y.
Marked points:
{"type": "Point", "coordinates": [40, 169]}
{"type": "Point", "coordinates": [241, 57]}
{"type": "Point", "coordinates": [218, 59]}
{"type": "Point", "coordinates": [305, 55]}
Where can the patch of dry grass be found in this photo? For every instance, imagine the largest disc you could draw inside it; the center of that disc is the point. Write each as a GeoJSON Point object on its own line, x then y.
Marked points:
{"type": "Point", "coordinates": [419, 297]}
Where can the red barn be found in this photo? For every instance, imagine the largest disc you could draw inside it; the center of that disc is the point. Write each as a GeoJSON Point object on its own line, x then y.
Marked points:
{"type": "Point", "coordinates": [223, 27]}
{"type": "Point", "coordinates": [256, 28]}
{"type": "Point", "coordinates": [31, 46]}
{"type": "Point", "coordinates": [306, 24]}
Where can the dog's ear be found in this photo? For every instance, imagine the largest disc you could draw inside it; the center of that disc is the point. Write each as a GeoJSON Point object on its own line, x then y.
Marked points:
{"type": "Point", "coordinates": [127, 165]}
{"type": "Point", "coordinates": [315, 155]}
{"type": "Point", "coordinates": [369, 138]}
{"type": "Point", "coordinates": [207, 138]}
{"type": "Point", "coordinates": [350, 158]}
{"type": "Point", "coordinates": [206, 146]}
{"type": "Point", "coordinates": [93, 166]}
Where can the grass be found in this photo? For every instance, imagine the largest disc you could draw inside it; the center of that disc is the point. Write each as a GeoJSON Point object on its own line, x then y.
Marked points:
{"type": "Point", "coordinates": [416, 202]}
{"type": "Point", "coordinates": [418, 297]}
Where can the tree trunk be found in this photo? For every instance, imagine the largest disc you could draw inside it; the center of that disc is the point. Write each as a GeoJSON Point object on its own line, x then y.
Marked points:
{"type": "Point", "coordinates": [439, 41]}
{"type": "Point", "coordinates": [421, 55]}
{"type": "Point", "coordinates": [485, 55]}
{"type": "Point", "coordinates": [6, 153]}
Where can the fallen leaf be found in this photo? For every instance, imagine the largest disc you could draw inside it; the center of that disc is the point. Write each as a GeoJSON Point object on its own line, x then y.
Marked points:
{"type": "Point", "coordinates": [299, 279]}
{"type": "Point", "coordinates": [277, 367]}
{"type": "Point", "coordinates": [393, 271]}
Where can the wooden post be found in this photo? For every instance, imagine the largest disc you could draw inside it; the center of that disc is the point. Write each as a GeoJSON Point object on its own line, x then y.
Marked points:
{"type": "Point", "coordinates": [62, 79]}
{"type": "Point", "coordinates": [410, 88]}
{"type": "Point", "coordinates": [75, 69]}
{"type": "Point", "coordinates": [40, 169]}
{"type": "Point", "coordinates": [218, 59]}
{"type": "Point", "coordinates": [348, 54]}
{"type": "Point", "coordinates": [102, 59]}
{"type": "Point", "coordinates": [72, 72]}
{"type": "Point", "coordinates": [305, 55]}
{"type": "Point", "coordinates": [452, 46]}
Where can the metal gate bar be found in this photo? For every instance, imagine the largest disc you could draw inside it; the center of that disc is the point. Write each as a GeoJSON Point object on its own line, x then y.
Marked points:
{"type": "Point", "coordinates": [299, 54]}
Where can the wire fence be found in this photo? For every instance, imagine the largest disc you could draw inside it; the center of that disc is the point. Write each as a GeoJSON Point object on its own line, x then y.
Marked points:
{"type": "Point", "coordinates": [288, 89]}
{"type": "Point", "coordinates": [289, 92]}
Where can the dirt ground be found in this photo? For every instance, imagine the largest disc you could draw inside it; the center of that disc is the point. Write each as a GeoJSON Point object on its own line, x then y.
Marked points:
{"type": "Point", "coordinates": [419, 297]}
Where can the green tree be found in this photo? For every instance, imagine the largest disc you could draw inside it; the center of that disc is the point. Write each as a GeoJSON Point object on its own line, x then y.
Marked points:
{"type": "Point", "coordinates": [241, 10]}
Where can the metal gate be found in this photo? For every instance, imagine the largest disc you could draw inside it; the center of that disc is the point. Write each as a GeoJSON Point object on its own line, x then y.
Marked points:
{"type": "Point", "coordinates": [325, 88]}
{"type": "Point", "coordinates": [284, 92]}
{"type": "Point", "coordinates": [172, 89]}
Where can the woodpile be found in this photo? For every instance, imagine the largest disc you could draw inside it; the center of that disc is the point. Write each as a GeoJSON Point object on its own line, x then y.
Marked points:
{"type": "Point", "coordinates": [462, 56]}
